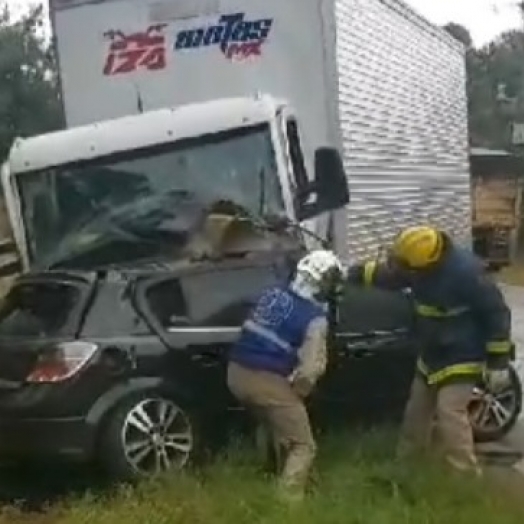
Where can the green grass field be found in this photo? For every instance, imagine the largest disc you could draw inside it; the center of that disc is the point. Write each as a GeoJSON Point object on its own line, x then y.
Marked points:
{"type": "Point", "coordinates": [355, 482]}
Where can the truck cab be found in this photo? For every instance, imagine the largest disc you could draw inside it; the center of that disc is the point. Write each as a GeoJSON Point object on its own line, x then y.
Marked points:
{"type": "Point", "coordinates": [71, 190]}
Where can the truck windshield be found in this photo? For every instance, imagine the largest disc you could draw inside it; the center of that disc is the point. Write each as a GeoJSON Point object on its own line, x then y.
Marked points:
{"type": "Point", "coordinates": [64, 207]}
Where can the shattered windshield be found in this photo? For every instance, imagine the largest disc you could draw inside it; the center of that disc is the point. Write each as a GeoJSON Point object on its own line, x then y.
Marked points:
{"type": "Point", "coordinates": [138, 202]}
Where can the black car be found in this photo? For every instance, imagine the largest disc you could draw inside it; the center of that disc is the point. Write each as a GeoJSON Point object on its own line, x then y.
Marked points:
{"type": "Point", "coordinates": [118, 357]}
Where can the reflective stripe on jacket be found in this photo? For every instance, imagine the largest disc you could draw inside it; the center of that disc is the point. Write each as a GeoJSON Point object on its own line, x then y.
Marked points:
{"type": "Point", "coordinates": [464, 369]}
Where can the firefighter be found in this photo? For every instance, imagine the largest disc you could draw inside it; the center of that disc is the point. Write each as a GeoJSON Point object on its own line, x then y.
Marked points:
{"type": "Point", "coordinates": [279, 357]}
{"type": "Point", "coordinates": [463, 330]}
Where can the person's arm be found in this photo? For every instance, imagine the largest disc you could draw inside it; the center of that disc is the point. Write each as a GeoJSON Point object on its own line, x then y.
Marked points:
{"type": "Point", "coordinates": [488, 304]}
{"type": "Point", "coordinates": [312, 357]}
{"type": "Point", "coordinates": [378, 274]}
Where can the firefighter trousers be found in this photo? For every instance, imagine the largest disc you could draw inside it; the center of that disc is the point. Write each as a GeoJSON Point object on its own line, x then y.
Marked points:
{"type": "Point", "coordinates": [444, 408]}
{"type": "Point", "coordinates": [272, 400]}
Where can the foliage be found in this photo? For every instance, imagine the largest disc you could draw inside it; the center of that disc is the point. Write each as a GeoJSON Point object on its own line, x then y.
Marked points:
{"type": "Point", "coordinates": [357, 482]}
{"type": "Point", "coordinates": [460, 33]}
{"type": "Point", "coordinates": [496, 89]}
{"type": "Point", "coordinates": [29, 101]}
{"type": "Point", "coordinates": [495, 86]}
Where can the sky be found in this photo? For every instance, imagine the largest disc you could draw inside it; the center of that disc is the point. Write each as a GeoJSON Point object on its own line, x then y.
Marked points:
{"type": "Point", "coordinates": [485, 19]}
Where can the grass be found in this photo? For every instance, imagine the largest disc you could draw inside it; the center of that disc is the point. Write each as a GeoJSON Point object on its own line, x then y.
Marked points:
{"type": "Point", "coordinates": [356, 482]}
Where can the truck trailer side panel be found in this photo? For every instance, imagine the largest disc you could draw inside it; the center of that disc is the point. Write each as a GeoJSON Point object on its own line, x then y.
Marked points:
{"type": "Point", "coordinates": [403, 114]}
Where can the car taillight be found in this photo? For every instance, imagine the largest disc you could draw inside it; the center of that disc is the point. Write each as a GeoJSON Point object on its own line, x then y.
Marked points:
{"type": "Point", "coordinates": [62, 362]}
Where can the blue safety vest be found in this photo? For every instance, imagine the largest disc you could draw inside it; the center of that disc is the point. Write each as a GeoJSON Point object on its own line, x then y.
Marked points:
{"type": "Point", "coordinates": [274, 331]}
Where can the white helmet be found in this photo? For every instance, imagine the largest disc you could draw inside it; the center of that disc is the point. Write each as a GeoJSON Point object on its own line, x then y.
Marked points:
{"type": "Point", "coordinates": [319, 263]}
{"type": "Point", "coordinates": [317, 272]}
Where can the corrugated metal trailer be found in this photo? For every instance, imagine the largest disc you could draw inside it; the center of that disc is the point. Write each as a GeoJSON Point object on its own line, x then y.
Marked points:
{"type": "Point", "coordinates": [403, 111]}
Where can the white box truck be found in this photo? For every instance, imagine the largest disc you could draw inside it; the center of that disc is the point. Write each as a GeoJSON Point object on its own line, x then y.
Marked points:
{"type": "Point", "coordinates": [250, 100]}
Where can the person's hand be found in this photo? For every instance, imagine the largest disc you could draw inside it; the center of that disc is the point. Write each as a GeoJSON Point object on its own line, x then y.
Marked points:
{"type": "Point", "coordinates": [498, 379]}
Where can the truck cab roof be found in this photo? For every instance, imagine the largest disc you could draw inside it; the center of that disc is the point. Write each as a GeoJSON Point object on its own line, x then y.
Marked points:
{"type": "Point", "coordinates": [139, 131]}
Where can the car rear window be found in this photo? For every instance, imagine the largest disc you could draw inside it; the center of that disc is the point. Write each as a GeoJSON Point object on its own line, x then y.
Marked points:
{"type": "Point", "coordinates": [36, 309]}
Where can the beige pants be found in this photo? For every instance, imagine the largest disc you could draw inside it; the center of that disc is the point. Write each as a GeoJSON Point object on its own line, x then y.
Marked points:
{"type": "Point", "coordinates": [271, 398]}
{"type": "Point", "coordinates": [447, 404]}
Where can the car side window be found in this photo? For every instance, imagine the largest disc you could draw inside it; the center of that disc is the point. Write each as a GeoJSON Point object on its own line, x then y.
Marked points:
{"type": "Point", "coordinates": [224, 297]}
{"type": "Point", "coordinates": [167, 304]}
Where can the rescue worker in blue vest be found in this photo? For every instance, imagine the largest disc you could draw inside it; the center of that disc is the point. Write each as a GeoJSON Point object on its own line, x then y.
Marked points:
{"type": "Point", "coordinates": [463, 329]}
{"type": "Point", "coordinates": [279, 357]}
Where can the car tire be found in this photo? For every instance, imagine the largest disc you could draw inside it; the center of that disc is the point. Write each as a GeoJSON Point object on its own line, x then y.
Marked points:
{"type": "Point", "coordinates": [147, 435]}
{"type": "Point", "coordinates": [494, 415]}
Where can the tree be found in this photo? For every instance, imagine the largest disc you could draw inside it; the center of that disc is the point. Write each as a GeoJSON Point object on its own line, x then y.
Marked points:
{"type": "Point", "coordinates": [495, 85]}
{"type": "Point", "coordinates": [496, 89]}
{"type": "Point", "coordinates": [480, 94]}
{"type": "Point", "coordinates": [29, 99]}
{"type": "Point", "coordinates": [460, 33]}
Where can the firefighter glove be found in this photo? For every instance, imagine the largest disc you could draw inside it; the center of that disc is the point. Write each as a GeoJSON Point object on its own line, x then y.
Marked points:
{"type": "Point", "coordinates": [498, 379]}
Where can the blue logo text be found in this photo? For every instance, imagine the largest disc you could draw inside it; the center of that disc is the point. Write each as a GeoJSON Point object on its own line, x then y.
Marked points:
{"type": "Point", "coordinates": [235, 36]}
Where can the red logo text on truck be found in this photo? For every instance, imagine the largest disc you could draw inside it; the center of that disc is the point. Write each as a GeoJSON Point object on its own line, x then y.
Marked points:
{"type": "Point", "coordinates": [134, 51]}
{"type": "Point", "coordinates": [236, 37]}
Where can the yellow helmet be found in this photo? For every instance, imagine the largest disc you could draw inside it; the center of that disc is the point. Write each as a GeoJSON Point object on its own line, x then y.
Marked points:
{"type": "Point", "coordinates": [418, 247]}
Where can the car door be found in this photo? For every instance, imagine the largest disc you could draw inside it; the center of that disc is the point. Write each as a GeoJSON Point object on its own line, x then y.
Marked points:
{"type": "Point", "coordinates": [371, 354]}
{"type": "Point", "coordinates": [199, 314]}
{"type": "Point", "coordinates": [218, 301]}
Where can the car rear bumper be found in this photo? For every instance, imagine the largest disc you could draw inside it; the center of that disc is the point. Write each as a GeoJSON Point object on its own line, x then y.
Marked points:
{"type": "Point", "coordinates": [71, 438]}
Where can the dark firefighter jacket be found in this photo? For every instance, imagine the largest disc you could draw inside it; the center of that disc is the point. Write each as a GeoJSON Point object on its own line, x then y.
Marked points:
{"type": "Point", "coordinates": [462, 320]}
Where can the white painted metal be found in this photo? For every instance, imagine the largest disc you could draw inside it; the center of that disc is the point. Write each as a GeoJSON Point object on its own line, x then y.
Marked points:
{"type": "Point", "coordinates": [139, 131]}
{"type": "Point", "coordinates": [290, 63]}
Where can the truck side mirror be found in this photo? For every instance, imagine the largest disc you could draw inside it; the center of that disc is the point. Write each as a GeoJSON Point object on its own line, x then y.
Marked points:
{"type": "Point", "coordinates": [330, 186]}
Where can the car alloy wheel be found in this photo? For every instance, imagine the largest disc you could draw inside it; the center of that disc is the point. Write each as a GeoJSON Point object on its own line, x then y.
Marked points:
{"type": "Point", "coordinates": [492, 414]}
{"type": "Point", "coordinates": [156, 436]}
